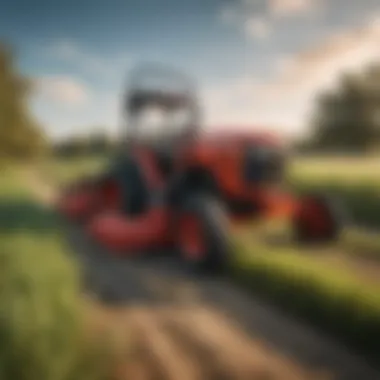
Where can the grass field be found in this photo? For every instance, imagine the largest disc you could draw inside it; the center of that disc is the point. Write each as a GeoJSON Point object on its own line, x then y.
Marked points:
{"type": "Point", "coordinates": [355, 181]}
{"type": "Point", "coordinates": [347, 170]}
{"type": "Point", "coordinates": [337, 287]}
{"type": "Point", "coordinates": [42, 311]}
{"type": "Point", "coordinates": [337, 291]}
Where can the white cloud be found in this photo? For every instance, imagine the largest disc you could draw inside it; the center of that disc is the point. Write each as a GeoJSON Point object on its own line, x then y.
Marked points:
{"type": "Point", "coordinates": [287, 98]}
{"type": "Point", "coordinates": [257, 27]}
{"type": "Point", "coordinates": [348, 50]}
{"type": "Point", "coordinates": [245, 15]}
{"type": "Point", "coordinates": [71, 52]}
{"type": "Point", "coordinates": [62, 89]}
{"type": "Point", "coordinates": [286, 8]}
{"type": "Point", "coordinates": [257, 18]}
{"type": "Point", "coordinates": [228, 15]}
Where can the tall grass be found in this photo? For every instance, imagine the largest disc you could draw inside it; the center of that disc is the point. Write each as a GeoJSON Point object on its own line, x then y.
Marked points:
{"type": "Point", "coordinates": [332, 297]}
{"type": "Point", "coordinates": [42, 314]}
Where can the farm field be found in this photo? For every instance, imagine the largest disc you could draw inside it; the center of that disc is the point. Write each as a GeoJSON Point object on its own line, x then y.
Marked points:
{"type": "Point", "coordinates": [334, 287]}
{"type": "Point", "coordinates": [43, 305]}
{"type": "Point", "coordinates": [324, 284]}
{"type": "Point", "coordinates": [266, 261]}
{"type": "Point", "coordinates": [139, 242]}
{"type": "Point", "coordinates": [348, 269]}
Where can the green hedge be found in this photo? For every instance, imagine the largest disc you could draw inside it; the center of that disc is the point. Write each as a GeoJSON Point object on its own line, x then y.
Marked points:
{"type": "Point", "coordinates": [336, 301]}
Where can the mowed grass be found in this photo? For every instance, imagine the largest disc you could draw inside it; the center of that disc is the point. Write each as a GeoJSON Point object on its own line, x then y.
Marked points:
{"type": "Point", "coordinates": [42, 311]}
{"type": "Point", "coordinates": [356, 251]}
{"type": "Point", "coordinates": [337, 292]}
{"type": "Point", "coordinates": [346, 170]}
{"type": "Point", "coordinates": [356, 181]}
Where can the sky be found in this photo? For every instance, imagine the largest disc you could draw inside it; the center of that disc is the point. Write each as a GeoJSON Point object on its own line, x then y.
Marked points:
{"type": "Point", "coordinates": [257, 63]}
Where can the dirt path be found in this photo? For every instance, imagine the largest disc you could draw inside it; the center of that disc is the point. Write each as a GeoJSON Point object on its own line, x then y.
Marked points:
{"type": "Point", "coordinates": [200, 328]}
{"type": "Point", "coordinates": [172, 343]}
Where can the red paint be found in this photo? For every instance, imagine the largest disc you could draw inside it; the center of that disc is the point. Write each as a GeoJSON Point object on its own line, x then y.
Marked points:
{"type": "Point", "coordinates": [110, 195]}
{"type": "Point", "coordinates": [191, 239]}
{"type": "Point", "coordinates": [115, 231]}
{"type": "Point", "coordinates": [84, 201]}
{"type": "Point", "coordinates": [77, 205]}
{"type": "Point", "coordinates": [314, 216]}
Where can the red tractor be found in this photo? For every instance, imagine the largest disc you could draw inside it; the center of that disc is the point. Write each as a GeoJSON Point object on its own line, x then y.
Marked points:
{"type": "Point", "coordinates": [180, 188]}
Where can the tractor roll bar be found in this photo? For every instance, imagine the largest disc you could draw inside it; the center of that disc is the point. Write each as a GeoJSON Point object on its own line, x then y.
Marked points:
{"type": "Point", "coordinates": [149, 71]}
{"type": "Point", "coordinates": [167, 88]}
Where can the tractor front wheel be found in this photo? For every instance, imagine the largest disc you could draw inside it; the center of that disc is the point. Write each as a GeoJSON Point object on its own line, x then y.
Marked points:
{"type": "Point", "coordinates": [203, 234]}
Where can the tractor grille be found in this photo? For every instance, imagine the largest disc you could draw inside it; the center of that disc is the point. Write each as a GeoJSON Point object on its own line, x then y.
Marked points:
{"type": "Point", "coordinates": [263, 165]}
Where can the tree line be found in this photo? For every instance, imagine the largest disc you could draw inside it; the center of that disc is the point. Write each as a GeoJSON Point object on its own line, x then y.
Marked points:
{"type": "Point", "coordinates": [97, 143]}
{"type": "Point", "coordinates": [344, 119]}
{"type": "Point", "coordinates": [348, 117]}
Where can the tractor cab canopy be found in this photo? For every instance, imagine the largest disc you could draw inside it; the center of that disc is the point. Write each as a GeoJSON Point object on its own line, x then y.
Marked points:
{"type": "Point", "coordinates": [167, 101]}
{"type": "Point", "coordinates": [161, 112]}
{"type": "Point", "coordinates": [161, 104]}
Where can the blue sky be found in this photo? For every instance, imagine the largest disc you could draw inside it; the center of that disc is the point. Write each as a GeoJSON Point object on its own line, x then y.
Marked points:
{"type": "Point", "coordinates": [258, 62]}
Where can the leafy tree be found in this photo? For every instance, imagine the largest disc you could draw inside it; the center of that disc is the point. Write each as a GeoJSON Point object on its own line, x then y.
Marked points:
{"type": "Point", "coordinates": [349, 118]}
{"type": "Point", "coordinates": [74, 146]}
{"type": "Point", "coordinates": [20, 135]}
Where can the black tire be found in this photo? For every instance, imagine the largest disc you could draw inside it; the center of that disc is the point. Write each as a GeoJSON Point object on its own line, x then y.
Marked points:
{"type": "Point", "coordinates": [214, 223]}
{"type": "Point", "coordinates": [336, 212]}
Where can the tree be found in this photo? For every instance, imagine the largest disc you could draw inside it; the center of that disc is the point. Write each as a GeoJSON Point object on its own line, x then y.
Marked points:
{"type": "Point", "coordinates": [20, 135]}
{"type": "Point", "coordinates": [97, 142]}
{"type": "Point", "coordinates": [349, 118]}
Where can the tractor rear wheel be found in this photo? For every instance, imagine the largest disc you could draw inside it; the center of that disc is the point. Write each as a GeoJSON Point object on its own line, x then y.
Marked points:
{"type": "Point", "coordinates": [203, 235]}
{"type": "Point", "coordinates": [319, 219]}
